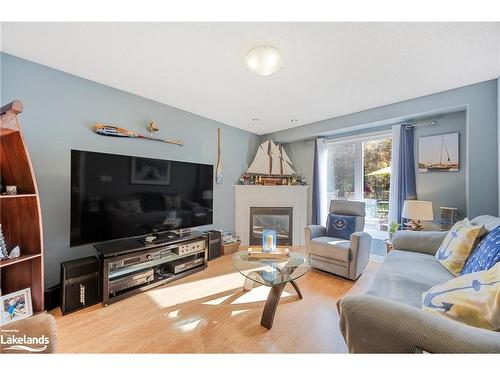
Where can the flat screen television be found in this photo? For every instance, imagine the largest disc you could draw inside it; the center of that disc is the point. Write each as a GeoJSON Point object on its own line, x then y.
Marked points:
{"type": "Point", "coordinates": [118, 196]}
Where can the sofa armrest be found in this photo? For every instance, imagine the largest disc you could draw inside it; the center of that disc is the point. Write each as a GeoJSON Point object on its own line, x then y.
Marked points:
{"type": "Point", "coordinates": [35, 326]}
{"type": "Point", "coordinates": [375, 325]}
{"type": "Point", "coordinates": [426, 242]}
{"type": "Point", "coordinates": [361, 243]}
{"type": "Point", "coordinates": [313, 231]}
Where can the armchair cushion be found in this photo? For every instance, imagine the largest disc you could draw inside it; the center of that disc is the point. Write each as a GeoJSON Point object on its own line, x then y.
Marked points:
{"type": "Point", "coordinates": [332, 248]}
{"type": "Point", "coordinates": [340, 226]}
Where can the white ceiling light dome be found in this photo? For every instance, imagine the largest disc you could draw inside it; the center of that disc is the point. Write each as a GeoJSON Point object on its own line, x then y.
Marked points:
{"type": "Point", "coordinates": [264, 60]}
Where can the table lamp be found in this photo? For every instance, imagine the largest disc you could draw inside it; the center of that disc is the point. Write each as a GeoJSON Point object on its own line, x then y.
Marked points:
{"type": "Point", "coordinates": [417, 211]}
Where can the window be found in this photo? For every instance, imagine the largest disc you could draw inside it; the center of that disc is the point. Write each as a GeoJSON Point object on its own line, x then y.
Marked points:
{"type": "Point", "coordinates": [359, 169]}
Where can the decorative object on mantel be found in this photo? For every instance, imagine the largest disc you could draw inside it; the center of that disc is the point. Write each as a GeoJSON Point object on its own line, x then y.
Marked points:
{"type": "Point", "coordinates": [219, 177]}
{"type": "Point", "coordinates": [114, 131]}
{"type": "Point", "coordinates": [271, 166]}
{"type": "Point", "coordinates": [417, 211]}
{"type": "Point", "coordinates": [279, 252]}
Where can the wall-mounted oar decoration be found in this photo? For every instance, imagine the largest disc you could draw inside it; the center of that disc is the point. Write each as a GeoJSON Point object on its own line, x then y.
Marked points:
{"type": "Point", "coordinates": [114, 131]}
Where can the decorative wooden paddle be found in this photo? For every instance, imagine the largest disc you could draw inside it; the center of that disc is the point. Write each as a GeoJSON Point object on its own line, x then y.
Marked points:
{"type": "Point", "coordinates": [219, 177]}
{"type": "Point", "coordinates": [114, 131]}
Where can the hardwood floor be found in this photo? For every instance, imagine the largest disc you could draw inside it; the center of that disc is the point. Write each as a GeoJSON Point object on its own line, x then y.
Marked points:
{"type": "Point", "coordinates": [208, 312]}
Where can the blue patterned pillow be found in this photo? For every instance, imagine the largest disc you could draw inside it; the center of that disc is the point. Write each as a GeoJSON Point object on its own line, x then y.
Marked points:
{"type": "Point", "coordinates": [486, 255]}
{"type": "Point", "coordinates": [341, 226]}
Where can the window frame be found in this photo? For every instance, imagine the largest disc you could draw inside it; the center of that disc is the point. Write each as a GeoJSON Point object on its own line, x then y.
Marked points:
{"type": "Point", "coordinates": [358, 140]}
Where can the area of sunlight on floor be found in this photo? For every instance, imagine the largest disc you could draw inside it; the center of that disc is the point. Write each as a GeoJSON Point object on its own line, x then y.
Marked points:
{"type": "Point", "coordinates": [172, 295]}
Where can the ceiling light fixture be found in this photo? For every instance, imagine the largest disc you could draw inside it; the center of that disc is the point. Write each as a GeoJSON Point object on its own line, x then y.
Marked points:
{"type": "Point", "coordinates": [255, 119]}
{"type": "Point", "coordinates": [294, 120]}
{"type": "Point", "coordinates": [264, 60]}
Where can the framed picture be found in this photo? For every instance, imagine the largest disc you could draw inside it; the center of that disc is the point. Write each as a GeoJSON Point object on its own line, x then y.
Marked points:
{"type": "Point", "coordinates": [438, 153]}
{"type": "Point", "coordinates": [150, 171]}
{"type": "Point", "coordinates": [16, 306]}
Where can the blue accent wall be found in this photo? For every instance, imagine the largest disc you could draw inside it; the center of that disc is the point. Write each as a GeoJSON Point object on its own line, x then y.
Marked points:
{"type": "Point", "coordinates": [479, 101]}
{"type": "Point", "coordinates": [59, 113]}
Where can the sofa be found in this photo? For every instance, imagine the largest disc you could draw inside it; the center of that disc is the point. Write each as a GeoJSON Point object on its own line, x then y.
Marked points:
{"type": "Point", "coordinates": [346, 258]}
{"type": "Point", "coordinates": [388, 317]}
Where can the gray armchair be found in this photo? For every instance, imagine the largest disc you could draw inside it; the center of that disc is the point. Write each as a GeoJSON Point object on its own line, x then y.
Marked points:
{"type": "Point", "coordinates": [335, 255]}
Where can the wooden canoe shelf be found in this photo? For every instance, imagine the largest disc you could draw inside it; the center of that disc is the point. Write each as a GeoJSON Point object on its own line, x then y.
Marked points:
{"type": "Point", "coordinates": [20, 214]}
{"type": "Point", "coordinates": [22, 258]}
{"type": "Point", "coordinates": [6, 196]}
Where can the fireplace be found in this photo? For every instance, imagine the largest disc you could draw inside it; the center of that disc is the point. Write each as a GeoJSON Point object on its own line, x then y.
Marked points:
{"type": "Point", "coordinates": [279, 219]}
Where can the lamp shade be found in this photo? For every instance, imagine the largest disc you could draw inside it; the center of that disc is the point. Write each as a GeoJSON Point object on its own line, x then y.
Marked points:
{"type": "Point", "coordinates": [417, 210]}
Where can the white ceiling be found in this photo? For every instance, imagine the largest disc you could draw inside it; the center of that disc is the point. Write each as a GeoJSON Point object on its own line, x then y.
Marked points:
{"type": "Point", "coordinates": [330, 69]}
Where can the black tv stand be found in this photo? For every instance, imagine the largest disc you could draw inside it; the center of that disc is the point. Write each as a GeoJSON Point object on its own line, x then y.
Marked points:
{"type": "Point", "coordinates": [161, 237]}
{"type": "Point", "coordinates": [133, 265]}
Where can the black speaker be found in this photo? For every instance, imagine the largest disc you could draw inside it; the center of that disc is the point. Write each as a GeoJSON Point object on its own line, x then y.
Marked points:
{"type": "Point", "coordinates": [214, 244]}
{"type": "Point", "coordinates": [80, 284]}
{"type": "Point", "coordinates": [52, 297]}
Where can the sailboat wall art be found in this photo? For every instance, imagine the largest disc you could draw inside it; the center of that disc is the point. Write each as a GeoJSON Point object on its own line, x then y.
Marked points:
{"type": "Point", "coordinates": [439, 153]}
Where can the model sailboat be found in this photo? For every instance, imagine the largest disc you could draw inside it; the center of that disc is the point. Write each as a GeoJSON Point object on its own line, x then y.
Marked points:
{"type": "Point", "coordinates": [271, 160]}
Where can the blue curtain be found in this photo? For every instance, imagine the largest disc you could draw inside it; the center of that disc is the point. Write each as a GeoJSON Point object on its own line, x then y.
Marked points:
{"type": "Point", "coordinates": [316, 216]}
{"type": "Point", "coordinates": [407, 185]}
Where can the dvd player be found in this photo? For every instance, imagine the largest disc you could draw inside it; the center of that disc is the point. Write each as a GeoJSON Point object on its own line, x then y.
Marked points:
{"type": "Point", "coordinates": [190, 248]}
{"type": "Point", "coordinates": [130, 281]}
{"type": "Point", "coordinates": [184, 264]}
{"type": "Point", "coordinates": [140, 258]}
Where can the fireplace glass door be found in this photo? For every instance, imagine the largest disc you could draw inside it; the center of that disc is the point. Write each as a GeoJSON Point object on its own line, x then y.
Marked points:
{"type": "Point", "coordinates": [275, 218]}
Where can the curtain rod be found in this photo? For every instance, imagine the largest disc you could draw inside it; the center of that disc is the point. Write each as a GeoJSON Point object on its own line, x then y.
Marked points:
{"type": "Point", "coordinates": [419, 123]}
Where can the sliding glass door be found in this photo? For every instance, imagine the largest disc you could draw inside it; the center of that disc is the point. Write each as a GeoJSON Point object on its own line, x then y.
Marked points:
{"type": "Point", "coordinates": [359, 169]}
{"type": "Point", "coordinates": [376, 181]}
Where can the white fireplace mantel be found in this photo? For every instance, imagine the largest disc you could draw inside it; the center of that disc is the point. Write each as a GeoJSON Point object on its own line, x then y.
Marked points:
{"type": "Point", "coordinates": [246, 196]}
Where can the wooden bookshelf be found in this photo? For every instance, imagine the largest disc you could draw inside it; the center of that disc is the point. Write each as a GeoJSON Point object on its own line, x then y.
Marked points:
{"type": "Point", "coordinates": [20, 214]}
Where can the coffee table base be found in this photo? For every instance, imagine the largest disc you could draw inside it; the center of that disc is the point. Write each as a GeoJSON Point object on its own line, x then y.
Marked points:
{"type": "Point", "coordinates": [273, 299]}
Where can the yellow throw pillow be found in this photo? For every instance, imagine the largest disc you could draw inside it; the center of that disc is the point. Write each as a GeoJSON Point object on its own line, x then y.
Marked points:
{"type": "Point", "coordinates": [473, 299]}
{"type": "Point", "coordinates": [457, 245]}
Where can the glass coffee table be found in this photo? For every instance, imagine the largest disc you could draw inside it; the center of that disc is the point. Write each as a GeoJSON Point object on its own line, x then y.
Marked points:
{"type": "Point", "coordinates": [275, 273]}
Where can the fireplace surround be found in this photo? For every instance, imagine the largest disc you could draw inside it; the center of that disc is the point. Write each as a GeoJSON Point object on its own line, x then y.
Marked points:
{"type": "Point", "coordinates": [292, 198]}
